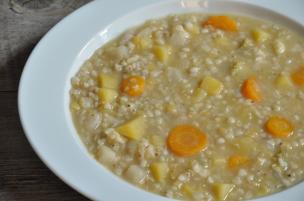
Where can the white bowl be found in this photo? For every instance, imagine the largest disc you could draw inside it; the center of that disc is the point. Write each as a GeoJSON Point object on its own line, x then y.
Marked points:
{"type": "Point", "coordinates": [44, 87]}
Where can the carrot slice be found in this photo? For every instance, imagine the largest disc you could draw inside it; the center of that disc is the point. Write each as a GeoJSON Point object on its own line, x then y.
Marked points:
{"type": "Point", "coordinates": [186, 140]}
{"type": "Point", "coordinates": [251, 90]}
{"type": "Point", "coordinates": [133, 86]}
{"type": "Point", "coordinates": [225, 23]}
{"type": "Point", "coordinates": [298, 77]}
{"type": "Point", "coordinates": [279, 127]}
{"type": "Point", "coordinates": [237, 161]}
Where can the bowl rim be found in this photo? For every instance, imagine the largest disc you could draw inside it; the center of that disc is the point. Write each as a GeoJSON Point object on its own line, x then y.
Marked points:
{"type": "Point", "coordinates": [25, 85]}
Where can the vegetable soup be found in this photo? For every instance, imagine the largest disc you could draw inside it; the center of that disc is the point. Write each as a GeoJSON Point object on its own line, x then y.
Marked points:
{"type": "Point", "coordinates": [196, 107]}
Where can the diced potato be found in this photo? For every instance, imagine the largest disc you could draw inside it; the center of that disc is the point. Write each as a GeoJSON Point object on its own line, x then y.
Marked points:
{"type": "Point", "coordinates": [162, 53]}
{"type": "Point", "coordinates": [221, 191]}
{"type": "Point", "coordinates": [133, 129]}
{"type": "Point", "coordinates": [109, 81]}
{"type": "Point", "coordinates": [283, 81]}
{"type": "Point", "coordinates": [187, 190]}
{"type": "Point", "coordinates": [107, 95]}
{"type": "Point", "coordinates": [260, 36]}
{"type": "Point", "coordinates": [211, 85]}
{"type": "Point", "coordinates": [156, 140]}
{"type": "Point", "coordinates": [159, 171]}
{"type": "Point", "coordinates": [142, 43]}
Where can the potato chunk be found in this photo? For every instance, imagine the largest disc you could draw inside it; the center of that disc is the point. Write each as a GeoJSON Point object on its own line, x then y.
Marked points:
{"type": "Point", "coordinates": [159, 171]}
{"type": "Point", "coordinates": [142, 43]}
{"type": "Point", "coordinates": [162, 53]}
{"type": "Point", "coordinates": [133, 129]}
{"type": "Point", "coordinates": [109, 81]}
{"type": "Point", "coordinates": [107, 95]}
{"type": "Point", "coordinates": [211, 85]}
{"type": "Point", "coordinates": [283, 82]}
{"type": "Point", "coordinates": [221, 191]}
{"type": "Point", "coordinates": [260, 36]}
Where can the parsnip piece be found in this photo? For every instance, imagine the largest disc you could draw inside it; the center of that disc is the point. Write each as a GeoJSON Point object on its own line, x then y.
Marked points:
{"type": "Point", "coordinates": [135, 174]}
{"type": "Point", "coordinates": [107, 155]}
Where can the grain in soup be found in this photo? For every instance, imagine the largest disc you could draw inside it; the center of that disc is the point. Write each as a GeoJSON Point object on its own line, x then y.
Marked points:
{"type": "Point", "coordinates": [196, 107]}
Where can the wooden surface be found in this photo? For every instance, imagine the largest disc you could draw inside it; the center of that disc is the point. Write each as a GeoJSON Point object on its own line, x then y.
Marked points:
{"type": "Point", "coordinates": [22, 175]}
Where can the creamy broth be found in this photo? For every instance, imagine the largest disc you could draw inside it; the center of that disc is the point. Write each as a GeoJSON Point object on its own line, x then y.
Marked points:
{"type": "Point", "coordinates": [196, 107]}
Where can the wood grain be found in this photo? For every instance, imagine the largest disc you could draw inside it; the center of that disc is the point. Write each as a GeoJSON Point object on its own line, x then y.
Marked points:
{"type": "Point", "coordinates": [22, 174]}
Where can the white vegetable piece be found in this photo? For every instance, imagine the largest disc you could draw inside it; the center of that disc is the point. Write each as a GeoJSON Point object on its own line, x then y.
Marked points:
{"type": "Point", "coordinates": [107, 155]}
{"type": "Point", "coordinates": [279, 47]}
{"type": "Point", "coordinates": [179, 36]}
{"type": "Point", "coordinates": [92, 122]}
{"type": "Point", "coordinates": [135, 174]}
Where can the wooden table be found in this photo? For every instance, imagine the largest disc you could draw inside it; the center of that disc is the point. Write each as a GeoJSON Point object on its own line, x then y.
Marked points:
{"type": "Point", "coordinates": [22, 174]}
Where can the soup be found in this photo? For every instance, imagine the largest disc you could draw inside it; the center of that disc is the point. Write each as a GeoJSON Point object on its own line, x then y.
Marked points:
{"type": "Point", "coordinates": [196, 107]}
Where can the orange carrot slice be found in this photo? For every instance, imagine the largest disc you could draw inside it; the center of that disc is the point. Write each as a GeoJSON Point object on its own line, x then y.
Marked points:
{"type": "Point", "coordinates": [236, 161]}
{"type": "Point", "coordinates": [225, 23]}
{"type": "Point", "coordinates": [133, 86]}
{"type": "Point", "coordinates": [279, 127]}
{"type": "Point", "coordinates": [298, 77]}
{"type": "Point", "coordinates": [251, 90]}
{"type": "Point", "coordinates": [186, 140]}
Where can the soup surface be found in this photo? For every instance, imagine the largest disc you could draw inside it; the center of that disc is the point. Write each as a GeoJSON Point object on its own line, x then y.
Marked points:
{"type": "Point", "coordinates": [196, 107]}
